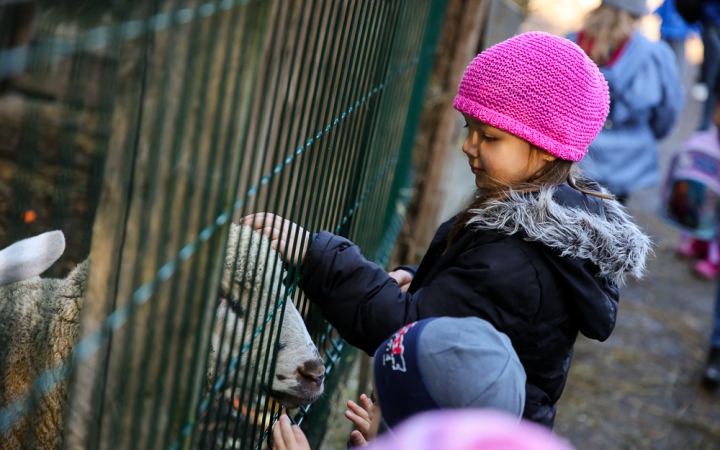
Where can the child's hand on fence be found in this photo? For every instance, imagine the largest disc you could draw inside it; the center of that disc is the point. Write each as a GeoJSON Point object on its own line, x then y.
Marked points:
{"type": "Point", "coordinates": [287, 436]}
{"type": "Point", "coordinates": [288, 238]}
{"type": "Point", "coordinates": [361, 416]}
{"type": "Point", "coordinates": [403, 279]}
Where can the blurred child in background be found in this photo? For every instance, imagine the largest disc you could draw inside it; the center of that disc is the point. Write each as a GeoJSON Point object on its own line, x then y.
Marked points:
{"type": "Point", "coordinates": [691, 201]}
{"type": "Point", "coordinates": [692, 198]}
{"type": "Point", "coordinates": [711, 375]}
{"type": "Point", "coordinates": [646, 95]}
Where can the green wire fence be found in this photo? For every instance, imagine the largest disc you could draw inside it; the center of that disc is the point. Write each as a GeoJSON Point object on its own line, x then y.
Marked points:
{"type": "Point", "coordinates": [143, 130]}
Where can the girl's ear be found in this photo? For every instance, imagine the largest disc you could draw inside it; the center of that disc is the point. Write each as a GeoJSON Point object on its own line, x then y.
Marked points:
{"type": "Point", "coordinates": [541, 155]}
{"type": "Point", "coordinates": [547, 157]}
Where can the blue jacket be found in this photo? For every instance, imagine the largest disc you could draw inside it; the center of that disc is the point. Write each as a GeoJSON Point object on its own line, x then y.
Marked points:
{"type": "Point", "coordinates": [711, 13]}
{"type": "Point", "coordinates": [673, 25]}
{"type": "Point", "coordinates": [646, 98]}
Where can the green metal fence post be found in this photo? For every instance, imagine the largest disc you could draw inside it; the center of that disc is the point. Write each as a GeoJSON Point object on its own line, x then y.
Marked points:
{"type": "Point", "coordinates": [403, 172]}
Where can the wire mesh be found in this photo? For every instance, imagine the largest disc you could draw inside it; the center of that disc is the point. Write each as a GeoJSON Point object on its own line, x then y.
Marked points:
{"type": "Point", "coordinates": [143, 130]}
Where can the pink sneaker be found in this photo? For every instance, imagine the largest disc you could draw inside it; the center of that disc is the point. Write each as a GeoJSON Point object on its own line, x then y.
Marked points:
{"type": "Point", "coordinates": [693, 248]}
{"type": "Point", "coordinates": [706, 269]}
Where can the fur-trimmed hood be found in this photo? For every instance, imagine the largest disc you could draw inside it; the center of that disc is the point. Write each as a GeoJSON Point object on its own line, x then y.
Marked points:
{"type": "Point", "coordinates": [573, 224]}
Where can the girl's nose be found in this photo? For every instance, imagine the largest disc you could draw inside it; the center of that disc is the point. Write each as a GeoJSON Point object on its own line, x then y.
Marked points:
{"type": "Point", "coordinates": [470, 147]}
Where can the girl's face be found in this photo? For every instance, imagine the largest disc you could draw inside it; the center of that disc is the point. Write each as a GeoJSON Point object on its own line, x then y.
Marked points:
{"type": "Point", "coordinates": [497, 155]}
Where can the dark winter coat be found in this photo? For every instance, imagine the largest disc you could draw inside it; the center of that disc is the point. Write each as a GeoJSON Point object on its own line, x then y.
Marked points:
{"type": "Point", "coordinates": [538, 267]}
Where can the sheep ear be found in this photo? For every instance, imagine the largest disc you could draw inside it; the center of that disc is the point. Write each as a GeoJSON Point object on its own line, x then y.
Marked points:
{"type": "Point", "coordinates": [30, 257]}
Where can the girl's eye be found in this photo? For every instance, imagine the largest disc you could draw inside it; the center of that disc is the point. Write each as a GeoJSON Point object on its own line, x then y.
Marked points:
{"type": "Point", "coordinates": [489, 138]}
{"type": "Point", "coordinates": [465, 126]}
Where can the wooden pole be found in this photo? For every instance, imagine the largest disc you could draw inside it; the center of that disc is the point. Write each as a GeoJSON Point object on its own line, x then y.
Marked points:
{"type": "Point", "coordinates": [464, 22]}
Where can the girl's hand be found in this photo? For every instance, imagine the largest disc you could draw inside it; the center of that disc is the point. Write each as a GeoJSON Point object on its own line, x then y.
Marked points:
{"type": "Point", "coordinates": [282, 234]}
{"type": "Point", "coordinates": [403, 279]}
{"type": "Point", "coordinates": [287, 436]}
{"type": "Point", "coordinates": [361, 417]}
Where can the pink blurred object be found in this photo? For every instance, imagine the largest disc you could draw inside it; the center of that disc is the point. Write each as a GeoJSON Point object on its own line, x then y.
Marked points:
{"type": "Point", "coordinates": [706, 269]}
{"type": "Point", "coordinates": [469, 429]}
{"type": "Point", "coordinates": [693, 248]}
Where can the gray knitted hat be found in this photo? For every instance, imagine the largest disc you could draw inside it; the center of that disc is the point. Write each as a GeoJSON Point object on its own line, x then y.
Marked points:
{"type": "Point", "coordinates": [448, 363]}
{"type": "Point", "coordinates": [635, 7]}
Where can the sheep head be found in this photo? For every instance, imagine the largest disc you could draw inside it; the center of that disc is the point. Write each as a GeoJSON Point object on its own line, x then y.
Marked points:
{"type": "Point", "coordinates": [250, 289]}
{"type": "Point", "coordinates": [40, 321]}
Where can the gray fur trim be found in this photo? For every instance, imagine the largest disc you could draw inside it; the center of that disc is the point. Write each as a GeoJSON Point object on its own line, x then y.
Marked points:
{"type": "Point", "coordinates": [614, 243]}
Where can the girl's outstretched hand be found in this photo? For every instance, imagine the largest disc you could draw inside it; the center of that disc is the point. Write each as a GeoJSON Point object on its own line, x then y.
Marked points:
{"type": "Point", "coordinates": [286, 237]}
{"type": "Point", "coordinates": [361, 416]}
{"type": "Point", "coordinates": [287, 436]}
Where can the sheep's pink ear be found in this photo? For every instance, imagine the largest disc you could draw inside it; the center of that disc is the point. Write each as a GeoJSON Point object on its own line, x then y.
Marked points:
{"type": "Point", "coordinates": [30, 257]}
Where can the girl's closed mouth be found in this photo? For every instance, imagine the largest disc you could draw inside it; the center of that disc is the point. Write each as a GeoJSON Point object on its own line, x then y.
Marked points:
{"type": "Point", "coordinates": [475, 170]}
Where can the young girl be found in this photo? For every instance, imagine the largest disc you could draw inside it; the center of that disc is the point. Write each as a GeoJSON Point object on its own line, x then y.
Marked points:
{"type": "Point", "coordinates": [539, 253]}
{"type": "Point", "coordinates": [646, 92]}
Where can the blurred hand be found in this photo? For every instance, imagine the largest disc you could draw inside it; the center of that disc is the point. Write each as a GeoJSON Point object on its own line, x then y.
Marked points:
{"type": "Point", "coordinates": [403, 279]}
{"type": "Point", "coordinates": [361, 416]}
{"type": "Point", "coordinates": [287, 436]}
{"type": "Point", "coordinates": [358, 439]}
{"type": "Point", "coordinates": [282, 234]}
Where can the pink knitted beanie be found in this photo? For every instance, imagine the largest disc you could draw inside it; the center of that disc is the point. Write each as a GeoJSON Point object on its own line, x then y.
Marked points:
{"type": "Point", "coordinates": [541, 88]}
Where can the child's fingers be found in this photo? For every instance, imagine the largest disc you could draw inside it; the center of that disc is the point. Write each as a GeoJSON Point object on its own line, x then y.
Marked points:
{"type": "Point", "coordinates": [357, 409]}
{"type": "Point", "coordinates": [288, 436]}
{"type": "Point", "coordinates": [358, 439]}
{"type": "Point", "coordinates": [279, 443]}
{"type": "Point", "coordinates": [266, 220]}
{"type": "Point", "coordinates": [258, 220]}
{"type": "Point", "coordinates": [300, 438]}
{"type": "Point", "coordinates": [402, 278]}
{"type": "Point", "coordinates": [369, 406]}
{"type": "Point", "coordinates": [361, 423]}
{"type": "Point", "coordinates": [354, 418]}
{"type": "Point", "coordinates": [366, 401]}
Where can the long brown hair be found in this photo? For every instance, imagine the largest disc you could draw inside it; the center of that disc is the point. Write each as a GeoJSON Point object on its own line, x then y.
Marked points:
{"type": "Point", "coordinates": [606, 29]}
{"type": "Point", "coordinates": [552, 174]}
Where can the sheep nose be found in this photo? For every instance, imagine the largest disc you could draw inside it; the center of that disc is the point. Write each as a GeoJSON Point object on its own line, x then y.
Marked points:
{"type": "Point", "coordinates": [313, 371]}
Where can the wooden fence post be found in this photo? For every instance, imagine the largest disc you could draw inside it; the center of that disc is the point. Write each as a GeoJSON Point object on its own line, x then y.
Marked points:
{"type": "Point", "coordinates": [464, 20]}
